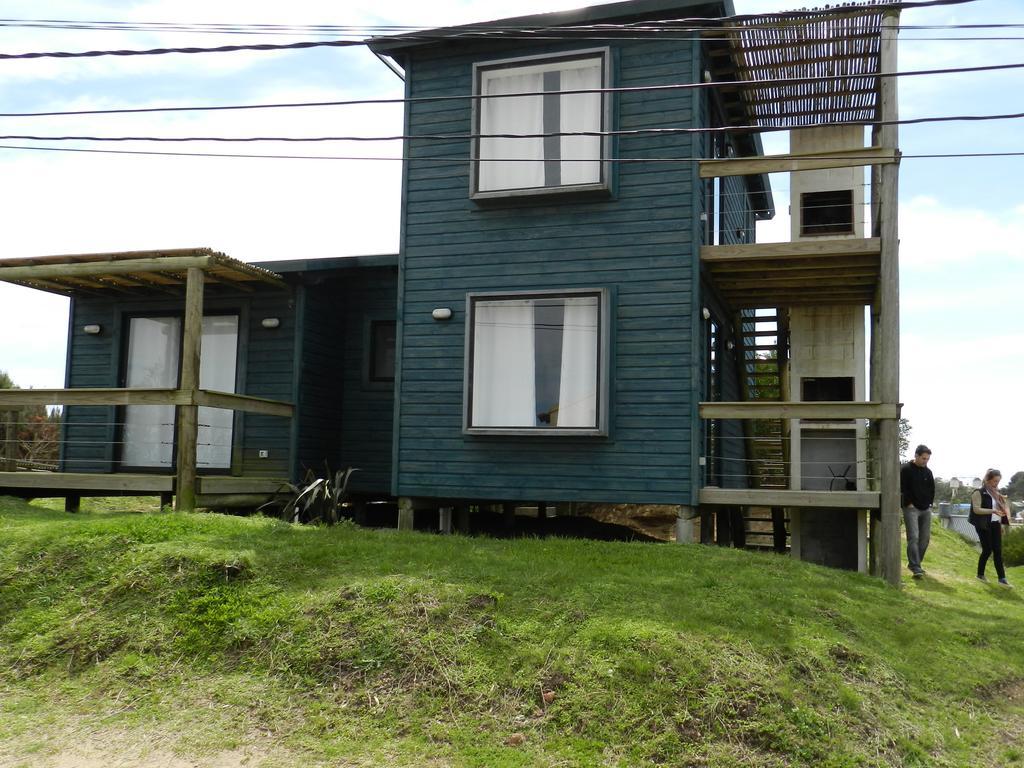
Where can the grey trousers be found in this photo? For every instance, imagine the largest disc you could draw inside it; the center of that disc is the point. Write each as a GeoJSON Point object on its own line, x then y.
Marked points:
{"type": "Point", "coordinates": [919, 532]}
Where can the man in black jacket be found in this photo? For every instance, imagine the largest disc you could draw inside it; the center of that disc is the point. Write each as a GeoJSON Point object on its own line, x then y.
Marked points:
{"type": "Point", "coordinates": [917, 488]}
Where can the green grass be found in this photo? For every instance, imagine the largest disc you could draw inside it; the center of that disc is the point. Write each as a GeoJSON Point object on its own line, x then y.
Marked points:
{"type": "Point", "coordinates": [201, 634]}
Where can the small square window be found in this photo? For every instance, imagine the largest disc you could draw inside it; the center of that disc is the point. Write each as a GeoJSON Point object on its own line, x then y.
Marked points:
{"type": "Point", "coordinates": [558, 142]}
{"type": "Point", "coordinates": [382, 350]}
{"type": "Point", "coordinates": [535, 363]}
{"type": "Point", "coordinates": [826, 213]}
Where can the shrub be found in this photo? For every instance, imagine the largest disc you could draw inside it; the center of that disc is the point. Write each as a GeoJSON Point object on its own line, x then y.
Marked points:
{"type": "Point", "coordinates": [1013, 546]}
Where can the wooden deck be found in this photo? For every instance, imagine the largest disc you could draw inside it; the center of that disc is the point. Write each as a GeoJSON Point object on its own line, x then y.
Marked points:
{"type": "Point", "coordinates": [771, 497]}
{"type": "Point", "coordinates": [211, 490]}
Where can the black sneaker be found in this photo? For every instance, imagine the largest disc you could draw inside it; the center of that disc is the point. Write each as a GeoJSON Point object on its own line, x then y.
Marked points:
{"type": "Point", "coordinates": [982, 578]}
{"type": "Point", "coordinates": [918, 574]}
{"type": "Point", "coordinates": [1005, 583]}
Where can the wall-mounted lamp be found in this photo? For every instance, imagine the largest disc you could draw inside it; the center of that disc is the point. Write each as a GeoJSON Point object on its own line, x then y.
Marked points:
{"type": "Point", "coordinates": [270, 322]}
{"type": "Point", "coordinates": [442, 313]}
{"type": "Point", "coordinates": [729, 345]}
{"type": "Point", "coordinates": [706, 312]}
{"type": "Point", "coordinates": [92, 330]}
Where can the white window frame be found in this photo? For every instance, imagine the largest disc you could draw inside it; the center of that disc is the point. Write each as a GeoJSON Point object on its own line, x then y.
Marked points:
{"type": "Point", "coordinates": [603, 183]}
{"type": "Point", "coordinates": [600, 429]}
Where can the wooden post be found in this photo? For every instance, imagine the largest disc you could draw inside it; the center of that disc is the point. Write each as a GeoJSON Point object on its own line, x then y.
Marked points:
{"type": "Point", "coordinates": [188, 415]}
{"type": "Point", "coordinates": [406, 514]}
{"type": "Point", "coordinates": [542, 519]}
{"type": "Point", "coordinates": [72, 504]}
{"type": "Point", "coordinates": [888, 306]}
{"type": "Point", "coordinates": [508, 512]}
{"type": "Point", "coordinates": [462, 513]}
{"type": "Point", "coordinates": [359, 511]}
{"type": "Point", "coordinates": [778, 529]}
{"type": "Point", "coordinates": [444, 519]}
{"type": "Point", "coordinates": [10, 453]}
{"type": "Point", "coordinates": [707, 526]}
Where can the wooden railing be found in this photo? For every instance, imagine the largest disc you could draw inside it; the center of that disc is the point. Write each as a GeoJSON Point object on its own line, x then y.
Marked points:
{"type": "Point", "coordinates": [831, 410]}
{"type": "Point", "coordinates": [186, 402]}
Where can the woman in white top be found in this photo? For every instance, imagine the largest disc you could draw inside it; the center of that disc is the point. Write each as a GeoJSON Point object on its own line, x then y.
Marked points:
{"type": "Point", "coordinates": [989, 513]}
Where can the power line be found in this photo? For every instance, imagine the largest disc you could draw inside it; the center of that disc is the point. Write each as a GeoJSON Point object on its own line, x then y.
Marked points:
{"type": "Point", "coordinates": [489, 32]}
{"type": "Point", "coordinates": [479, 97]}
{"type": "Point", "coordinates": [441, 160]}
{"type": "Point", "coordinates": [472, 136]}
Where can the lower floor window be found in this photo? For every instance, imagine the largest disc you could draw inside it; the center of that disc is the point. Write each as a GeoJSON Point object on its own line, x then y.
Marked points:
{"type": "Point", "coordinates": [535, 362]}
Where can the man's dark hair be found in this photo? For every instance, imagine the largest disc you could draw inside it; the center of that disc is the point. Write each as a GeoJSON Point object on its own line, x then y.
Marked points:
{"type": "Point", "coordinates": [922, 449]}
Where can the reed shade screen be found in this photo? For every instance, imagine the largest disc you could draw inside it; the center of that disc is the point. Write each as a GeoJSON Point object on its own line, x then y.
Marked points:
{"type": "Point", "coordinates": [134, 272]}
{"type": "Point", "coordinates": [839, 52]}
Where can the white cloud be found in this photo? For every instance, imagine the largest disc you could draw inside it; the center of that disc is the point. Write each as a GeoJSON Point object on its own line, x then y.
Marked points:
{"type": "Point", "coordinates": [933, 233]}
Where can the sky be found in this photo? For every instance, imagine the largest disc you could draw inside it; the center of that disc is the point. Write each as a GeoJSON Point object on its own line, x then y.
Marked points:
{"type": "Point", "coordinates": [961, 219]}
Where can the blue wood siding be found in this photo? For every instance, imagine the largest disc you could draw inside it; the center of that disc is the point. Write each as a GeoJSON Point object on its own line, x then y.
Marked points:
{"type": "Point", "coordinates": [639, 245]}
{"type": "Point", "coordinates": [269, 372]}
{"type": "Point", "coordinates": [93, 360]}
{"type": "Point", "coordinates": [367, 407]}
{"type": "Point", "coordinates": [265, 366]}
{"type": "Point", "coordinates": [343, 419]}
{"type": "Point", "coordinates": [321, 372]}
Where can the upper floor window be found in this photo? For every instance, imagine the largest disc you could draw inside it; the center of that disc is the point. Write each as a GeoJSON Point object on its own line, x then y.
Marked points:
{"type": "Point", "coordinates": [553, 156]}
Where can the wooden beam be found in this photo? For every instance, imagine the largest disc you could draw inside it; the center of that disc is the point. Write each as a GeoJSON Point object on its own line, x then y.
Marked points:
{"type": "Point", "coordinates": [843, 278]}
{"type": "Point", "coordinates": [188, 415]}
{"type": "Point", "coordinates": [112, 267]}
{"type": "Point", "coordinates": [757, 266]}
{"type": "Point", "coordinates": [754, 166]}
{"type": "Point", "coordinates": [230, 485]}
{"type": "Point", "coordinates": [10, 446]}
{"type": "Point", "coordinates": [91, 396]}
{"type": "Point", "coordinates": [804, 249]}
{"type": "Point", "coordinates": [94, 484]}
{"type": "Point", "coordinates": [838, 410]}
{"type": "Point", "coordinates": [770, 497]}
{"type": "Point", "coordinates": [888, 351]}
{"type": "Point", "coordinates": [235, 402]}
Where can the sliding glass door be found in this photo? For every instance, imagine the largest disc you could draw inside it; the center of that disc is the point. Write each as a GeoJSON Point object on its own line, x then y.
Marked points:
{"type": "Point", "coordinates": [153, 358]}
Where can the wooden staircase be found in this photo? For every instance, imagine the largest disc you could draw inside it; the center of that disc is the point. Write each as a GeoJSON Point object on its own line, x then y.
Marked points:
{"type": "Point", "coordinates": [763, 364]}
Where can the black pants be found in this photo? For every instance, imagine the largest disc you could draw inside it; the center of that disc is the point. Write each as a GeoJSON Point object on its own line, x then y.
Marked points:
{"type": "Point", "coordinates": [991, 537]}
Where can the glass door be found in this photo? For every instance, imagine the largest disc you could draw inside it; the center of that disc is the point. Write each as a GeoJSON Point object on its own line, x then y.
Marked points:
{"type": "Point", "coordinates": [154, 348]}
{"type": "Point", "coordinates": [154, 352]}
{"type": "Point", "coordinates": [217, 372]}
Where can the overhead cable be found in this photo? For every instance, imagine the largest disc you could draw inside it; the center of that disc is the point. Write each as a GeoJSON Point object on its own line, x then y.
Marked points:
{"type": "Point", "coordinates": [473, 136]}
{"type": "Point", "coordinates": [489, 32]}
{"type": "Point", "coordinates": [568, 92]}
{"type": "Point", "coordinates": [441, 160]}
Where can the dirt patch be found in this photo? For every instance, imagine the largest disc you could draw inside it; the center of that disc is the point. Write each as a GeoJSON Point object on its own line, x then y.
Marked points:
{"type": "Point", "coordinates": [657, 521]}
{"type": "Point", "coordinates": [110, 750]}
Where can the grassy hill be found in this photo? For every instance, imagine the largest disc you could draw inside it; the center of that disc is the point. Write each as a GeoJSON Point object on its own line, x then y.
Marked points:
{"type": "Point", "coordinates": [213, 640]}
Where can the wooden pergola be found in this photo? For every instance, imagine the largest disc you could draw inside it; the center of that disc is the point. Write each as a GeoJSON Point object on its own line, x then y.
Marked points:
{"type": "Point", "coordinates": [182, 273]}
{"type": "Point", "coordinates": [807, 69]}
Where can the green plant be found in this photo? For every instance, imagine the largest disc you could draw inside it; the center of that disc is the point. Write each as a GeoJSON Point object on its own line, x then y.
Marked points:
{"type": "Point", "coordinates": [1013, 546]}
{"type": "Point", "coordinates": [316, 500]}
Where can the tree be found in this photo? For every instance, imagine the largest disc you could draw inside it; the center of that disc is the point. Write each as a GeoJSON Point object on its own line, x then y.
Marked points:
{"type": "Point", "coordinates": [1015, 488]}
{"type": "Point", "coordinates": [904, 439]}
{"type": "Point", "coordinates": [36, 430]}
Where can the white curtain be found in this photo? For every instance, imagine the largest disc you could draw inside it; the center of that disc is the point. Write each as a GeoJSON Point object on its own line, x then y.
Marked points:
{"type": "Point", "coordinates": [581, 155]}
{"type": "Point", "coordinates": [524, 114]}
{"type": "Point", "coordinates": [504, 391]}
{"type": "Point", "coordinates": [577, 391]}
{"type": "Point", "coordinates": [153, 351]}
{"type": "Point", "coordinates": [217, 365]}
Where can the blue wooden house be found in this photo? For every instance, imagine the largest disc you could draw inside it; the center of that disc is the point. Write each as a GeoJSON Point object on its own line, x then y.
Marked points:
{"type": "Point", "coordinates": [579, 311]}
{"type": "Point", "coordinates": [555, 333]}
